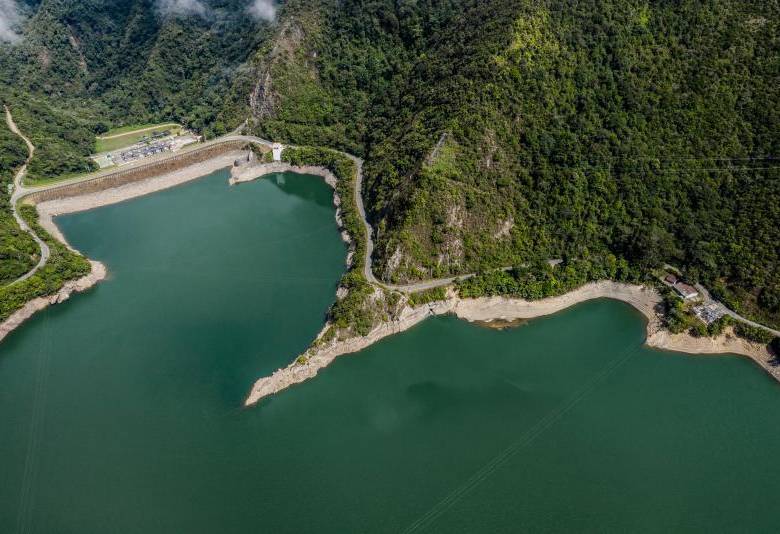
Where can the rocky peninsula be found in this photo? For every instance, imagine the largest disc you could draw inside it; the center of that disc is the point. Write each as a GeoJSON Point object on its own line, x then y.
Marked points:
{"type": "Point", "coordinates": [645, 299]}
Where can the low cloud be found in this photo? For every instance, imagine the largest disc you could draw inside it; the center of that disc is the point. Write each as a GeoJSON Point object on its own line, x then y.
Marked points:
{"type": "Point", "coordinates": [180, 7]}
{"type": "Point", "coordinates": [263, 10]}
{"type": "Point", "coordinates": [10, 17]}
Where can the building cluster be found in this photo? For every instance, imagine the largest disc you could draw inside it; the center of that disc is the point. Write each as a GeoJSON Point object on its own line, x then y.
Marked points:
{"type": "Point", "coordinates": [139, 151]}
{"type": "Point", "coordinates": [155, 136]}
{"type": "Point", "coordinates": [709, 313]}
{"type": "Point", "coordinates": [157, 142]}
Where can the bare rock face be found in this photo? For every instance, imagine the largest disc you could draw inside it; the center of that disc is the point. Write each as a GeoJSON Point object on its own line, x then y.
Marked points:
{"type": "Point", "coordinates": [263, 100]}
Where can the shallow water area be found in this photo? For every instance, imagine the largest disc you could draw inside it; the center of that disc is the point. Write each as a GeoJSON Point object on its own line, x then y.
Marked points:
{"type": "Point", "coordinates": [120, 410]}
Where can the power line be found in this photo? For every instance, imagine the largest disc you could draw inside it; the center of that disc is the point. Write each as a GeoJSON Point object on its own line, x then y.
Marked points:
{"type": "Point", "coordinates": [653, 171]}
{"type": "Point", "coordinates": [525, 439]}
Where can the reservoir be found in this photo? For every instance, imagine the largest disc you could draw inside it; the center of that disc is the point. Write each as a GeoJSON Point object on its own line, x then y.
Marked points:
{"type": "Point", "coordinates": [120, 410]}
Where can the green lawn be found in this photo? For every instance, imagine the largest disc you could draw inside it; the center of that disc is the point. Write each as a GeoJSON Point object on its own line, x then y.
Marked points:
{"type": "Point", "coordinates": [128, 135]}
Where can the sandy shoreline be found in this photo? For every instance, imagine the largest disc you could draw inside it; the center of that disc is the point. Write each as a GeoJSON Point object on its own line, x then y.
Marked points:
{"type": "Point", "coordinates": [49, 209]}
{"type": "Point", "coordinates": [484, 310]}
{"type": "Point", "coordinates": [13, 321]}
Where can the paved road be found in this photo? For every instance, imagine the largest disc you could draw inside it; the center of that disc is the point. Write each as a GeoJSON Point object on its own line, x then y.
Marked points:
{"type": "Point", "coordinates": [367, 263]}
{"type": "Point", "coordinates": [707, 300]}
{"type": "Point", "coordinates": [19, 190]}
{"type": "Point", "coordinates": [368, 271]}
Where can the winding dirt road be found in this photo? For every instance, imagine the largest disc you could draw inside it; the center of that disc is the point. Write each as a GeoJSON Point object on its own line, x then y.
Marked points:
{"type": "Point", "coordinates": [19, 191]}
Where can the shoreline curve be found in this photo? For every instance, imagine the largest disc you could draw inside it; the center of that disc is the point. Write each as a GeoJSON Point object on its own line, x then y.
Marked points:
{"type": "Point", "coordinates": [49, 209]}
{"type": "Point", "coordinates": [79, 285]}
{"type": "Point", "coordinates": [487, 309]}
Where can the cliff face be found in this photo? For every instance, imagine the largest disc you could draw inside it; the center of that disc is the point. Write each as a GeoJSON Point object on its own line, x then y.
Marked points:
{"type": "Point", "coordinates": [284, 55]}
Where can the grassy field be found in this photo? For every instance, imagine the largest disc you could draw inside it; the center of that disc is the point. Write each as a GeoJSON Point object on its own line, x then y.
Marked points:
{"type": "Point", "coordinates": [107, 170]}
{"type": "Point", "coordinates": [128, 135]}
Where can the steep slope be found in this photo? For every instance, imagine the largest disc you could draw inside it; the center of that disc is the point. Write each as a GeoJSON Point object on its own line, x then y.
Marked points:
{"type": "Point", "coordinates": [84, 66]}
{"type": "Point", "coordinates": [593, 129]}
{"type": "Point", "coordinates": [500, 132]}
{"type": "Point", "coordinates": [133, 61]}
{"type": "Point", "coordinates": [334, 71]}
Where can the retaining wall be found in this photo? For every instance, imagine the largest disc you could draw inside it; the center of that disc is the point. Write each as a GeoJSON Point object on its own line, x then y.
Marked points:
{"type": "Point", "coordinates": [135, 174]}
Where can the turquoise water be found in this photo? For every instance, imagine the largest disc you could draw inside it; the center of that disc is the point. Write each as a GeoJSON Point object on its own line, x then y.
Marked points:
{"type": "Point", "coordinates": [120, 410]}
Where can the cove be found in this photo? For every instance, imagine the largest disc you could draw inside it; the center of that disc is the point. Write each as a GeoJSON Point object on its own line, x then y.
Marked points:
{"type": "Point", "coordinates": [120, 409]}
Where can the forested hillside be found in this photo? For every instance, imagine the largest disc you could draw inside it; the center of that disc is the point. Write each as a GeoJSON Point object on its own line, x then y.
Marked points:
{"type": "Point", "coordinates": [501, 132]}
{"type": "Point", "coordinates": [130, 60]}
{"type": "Point", "coordinates": [495, 132]}
{"type": "Point", "coordinates": [335, 71]}
{"type": "Point", "coordinates": [17, 249]}
{"type": "Point", "coordinates": [584, 129]}
{"type": "Point", "coordinates": [81, 67]}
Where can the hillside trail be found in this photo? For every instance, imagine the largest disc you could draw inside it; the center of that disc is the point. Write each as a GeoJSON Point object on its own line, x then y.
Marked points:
{"type": "Point", "coordinates": [19, 190]}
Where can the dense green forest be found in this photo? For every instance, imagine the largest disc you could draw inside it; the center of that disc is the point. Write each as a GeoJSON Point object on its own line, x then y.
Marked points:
{"type": "Point", "coordinates": [500, 132]}
{"type": "Point", "coordinates": [495, 132]}
{"type": "Point", "coordinates": [63, 265]}
{"type": "Point", "coordinates": [17, 249]}
{"type": "Point", "coordinates": [63, 138]}
{"type": "Point", "coordinates": [586, 130]}
{"type": "Point", "coordinates": [125, 62]}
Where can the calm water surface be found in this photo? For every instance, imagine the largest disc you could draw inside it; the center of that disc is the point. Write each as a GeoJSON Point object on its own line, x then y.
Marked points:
{"type": "Point", "coordinates": [120, 410]}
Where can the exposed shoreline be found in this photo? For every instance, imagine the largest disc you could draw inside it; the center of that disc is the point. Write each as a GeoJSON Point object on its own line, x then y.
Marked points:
{"type": "Point", "coordinates": [484, 310]}
{"type": "Point", "coordinates": [30, 308]}
{"type": "Point", "coordinates": [254, 171]}
{"type": "Point", "coordinates": [249, 173]}
{"type": "Point", "coordinates": [51, 208]}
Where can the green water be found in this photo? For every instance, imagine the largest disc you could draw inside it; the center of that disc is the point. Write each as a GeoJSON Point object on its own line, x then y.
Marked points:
{"type": "Point", "coordinates": [120, 410]}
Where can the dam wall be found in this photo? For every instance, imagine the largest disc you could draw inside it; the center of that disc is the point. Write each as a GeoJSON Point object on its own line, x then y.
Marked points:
{"type": "Point", "coordinates": [136, 173]}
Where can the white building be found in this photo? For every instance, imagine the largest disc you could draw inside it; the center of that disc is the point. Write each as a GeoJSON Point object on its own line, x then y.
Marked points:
{"type": "Point", "coordinates": [277, 150]}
